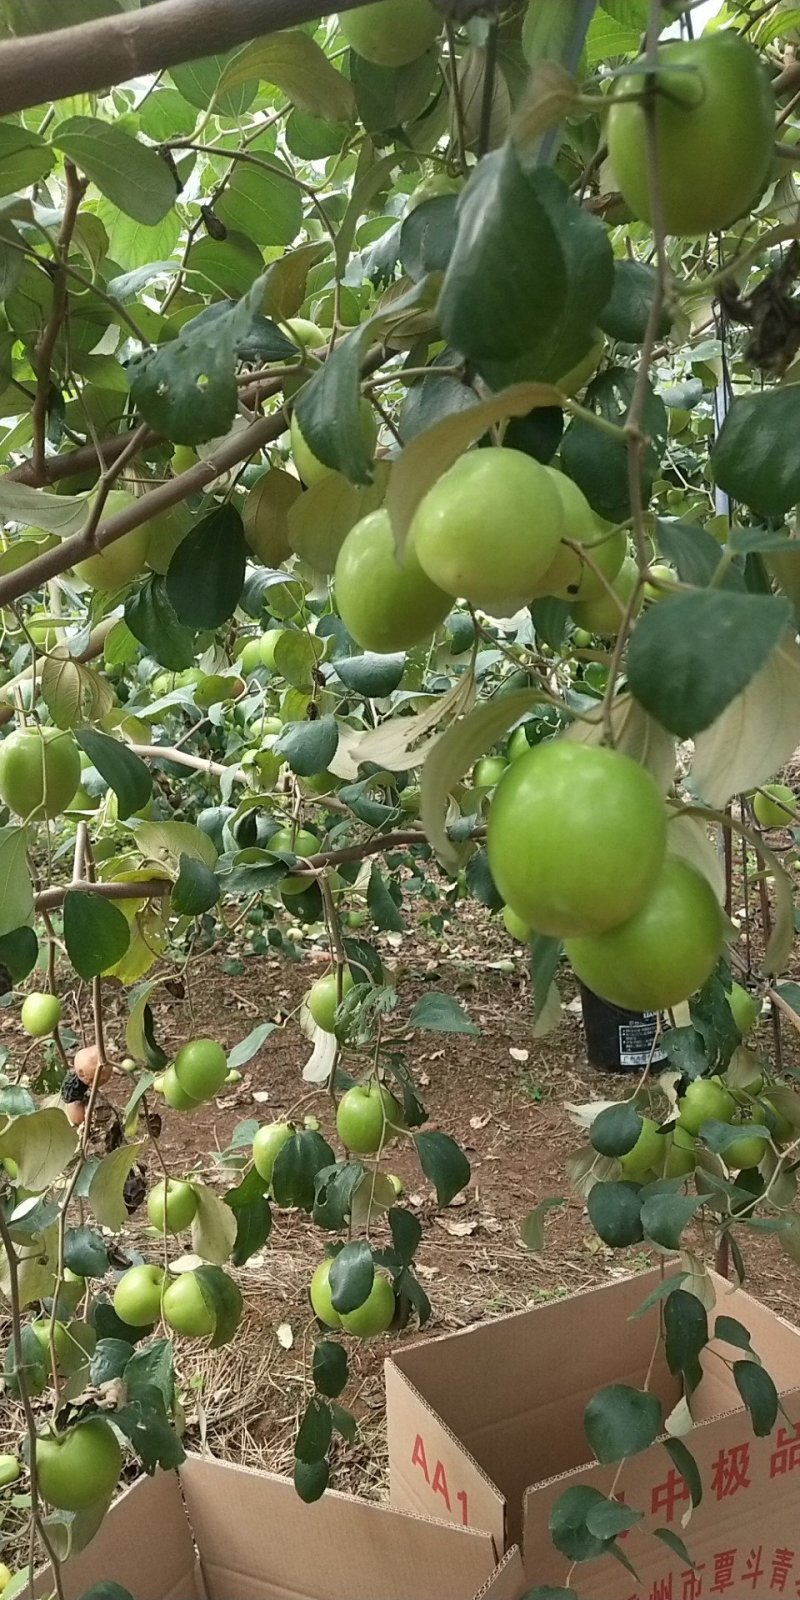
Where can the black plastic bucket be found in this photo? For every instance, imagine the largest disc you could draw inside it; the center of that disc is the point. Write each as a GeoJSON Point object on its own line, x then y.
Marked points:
{"type": "Point", "coordinates": [617, 1040]}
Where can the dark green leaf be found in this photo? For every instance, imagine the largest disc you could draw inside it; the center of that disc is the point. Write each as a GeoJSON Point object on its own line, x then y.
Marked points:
{"type": "Point", "coordinates": [732, 1332]}
{"type": "Point", "coordinates": [411, 1294]}
{"type": "Point", "coordinates": [545, 957]}
{"type": "Point", "coordinates": [131, 175]}
{"type": "Point", "coordinates": [685, 1051]}
{"type": "Point", "coordinates": [719, 1136]}
{"type": "Point", "coordinates": [330, 1368]}
{"type": "Point", "coordinates": [690, 657]}
{"type": "Point", "coordinates": [598, 462]}
{"type": "Point", "coordinates": [444, 1163]}
{"type": "Point", "coordinates": [333, 1193]}
{"type": "Point", "coordinates": [186, 389]}
{"type": "Point", "coordinates": [296, 1167]}
{"type": "Point", "coordinates": [383, 909]}
{"type": "Point", "coordinates": [85, 1252]}
{"type": "Point", "coordinates": [428, 400]}
{"type": "Point", "coordinates": [146, 1425]}
{"type": "Point", "coordinates": [427, 236]}
{"type": "Point", "coordinates": [759, 1394]}
{"type": "Point", "coordinates": [440, 1013]}
{"type": "Point", "coordinates": [615, 1131]}
{"type": "Point", "coordinates": [620, 1421]}
{"type": "Point", "coordinates": [675, 1544]}
{"type": "Point", "coordinates": [344, 1422]}
{"type": "Point", "coordinates": [18, 953]}
{"type": "Point", "coordinates": [666, 1287]}
{"type": "Point", "coordinates": [206, 573]}
{"type": "Point", "coordinates": [150, 615]}
{"type": "Point", "coordinates": [664, 1217]}
{"type": "Point", "coordinates": [569, 1525]}
{"type": "Point", "coordinates": [314, 1434]}
{"type": "Point", "coordinates": [24, 157]}
{"type": "Point", "coordinates": [625, 314]}
{"type": "Point", "coordinates": [124, 772]}
{"type": "Point", "coordinates": [615, 1213]}
{"type": "Point", "coordinates": [371, 675]}
{"type": "Point", "coordinates": [196, 889]}
{"type": "Point", "coordinates": [311, 1479]}
{"type": "Point", "coordinates": [253, 1217]}
{"type": "Point", "coordinates": [685, 1464]}
{"type": "Point", "coordinates": [695, 554]}
{"type": "Point", "coordinates": [250, 1046]}
{"type": "Point", "coordinates": [152, 1368]}
{"type": "Point", "coordinates": [308, 747]}
{"type": "Point", "coordinates": [264, 205]}
{"type": "Point", "coordinates": [225, 1299]}
{"type": "Point", "coordinates": [612, 1518]}
{"type": "Point", "coordinates": [754, 459]}
{"type": "Point", "coordinates": [506, 284]}
{"type": "Point", "coordinates": [550, 619]}
{"type": "Point", "coordinates": [106, 1590]}
{"type": "Point", "coordinates": [351, 1276]}
{"type": "Point", "coordinates": [96, 933]}
{"type": "Point", "coordinates": [686, 1333]}
{"type": "Point", "coordinates": [406, 1233]}
{"type": "Point", "coordinates": [479, 880]}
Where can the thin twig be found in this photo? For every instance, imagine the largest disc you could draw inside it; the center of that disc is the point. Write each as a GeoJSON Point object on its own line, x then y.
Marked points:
{"type": "Point", "coordinates": [43, 354]}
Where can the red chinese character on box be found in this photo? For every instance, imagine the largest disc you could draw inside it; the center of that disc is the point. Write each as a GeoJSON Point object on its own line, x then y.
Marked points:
{"type": "Point", "coordinates": [731, 1471]}
{"type": "Point", "coordinates": [786, 1457]}
{"type": "Point", "coordinates": [693, 1582]}
{"type": "Point", "coordinates": [667, 1496]}
{"type": "Point", "coordinates": [782, 1563]}
{"type": "Point", "coordinates": [753, 1568]}
{"type": "Point", "coordinates": [723, 1571]}
{"type": "Point", "coordinates": [662, 1589]}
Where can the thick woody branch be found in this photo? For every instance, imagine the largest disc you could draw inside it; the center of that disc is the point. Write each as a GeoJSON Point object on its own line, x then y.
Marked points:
{"type": "Point", "coordinates": [183, 758]}
{"type": "Point", "coordinates": [96, 55]}
{"type": "Point", "coordinates": [147, 889]}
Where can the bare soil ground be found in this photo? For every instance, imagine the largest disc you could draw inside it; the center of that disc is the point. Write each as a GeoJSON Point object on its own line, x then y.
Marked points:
{"type": "Point", "coordinates": [501, 1094]}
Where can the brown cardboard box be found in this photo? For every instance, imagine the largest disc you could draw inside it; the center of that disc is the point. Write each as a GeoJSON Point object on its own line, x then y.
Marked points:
{"type": "Point", "coordinates": [215, 1531]}
{"type": "Point", "coordinates": [486, 1428]}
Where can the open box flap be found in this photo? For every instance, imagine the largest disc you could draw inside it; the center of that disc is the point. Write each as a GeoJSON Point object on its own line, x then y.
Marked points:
{"type": "Point", "coordinates": [507, 1581]}
{"type": "Point", "coordinates": [430, 1471]}
{"type": "Point", "coordinates": [145, 1545]}
{"type": "Point", "coordinates": [258, 1541]}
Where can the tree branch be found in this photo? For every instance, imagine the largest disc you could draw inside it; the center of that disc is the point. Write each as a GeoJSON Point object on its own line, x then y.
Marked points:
{"type": "Point", "coordinates": [95, 55]}
{"type": "Point", "coordinates": [43, 355]}
{"type": "Point", "coordinates": [146, 889]}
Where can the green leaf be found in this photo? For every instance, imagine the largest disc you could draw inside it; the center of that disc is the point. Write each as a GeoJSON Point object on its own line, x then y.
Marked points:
{"type": "Point", "coordinates": [506, 285]}
{"type": "Point", "coordinates": [759, 1394]}
{"type": "Point", "coordinates": [329, 1368]}
{"type": "Point", "coordinates": [684, 1462]}
{"type": "Point", "coordinates": [308, 747]}
{"type": "Point", "coordinates": [334, 1188]}
{"type": "Point", "coordinates": [145, 1423]}
{"type": "Point", "coordinates": [196, 890]}
{"type": "Point", "coordinates": [311, 1479]}
{"type": "Point", "coordinates": [199, 83]}
{"type": "Point", "coordinates": [18, 953]}
{"type": "Point", "coordinates": [754, 459]}
{"type": "Point", "coordinates": [686, 1334]}
{"type": "Point", "coordinates": [666, 1287]}
{"type": "Point", "coordinates": [296, 1167]}
{"type": "Point", "coordinates": [443, 1163]}
{"type": "Point", "coordinates": [253, 1217]}
{"type": "Point", "coordinates": [106, 1589]}
{"type": "Point", "coordinates": [548, 1593]}
{"type": "Point", "coordinates": [615, 1131]}
{"type": "Point", "coordinates": [229, 265]}
{"type": "Point", "coordinates": [550, 616]}
{"type": "Point", "coordinates": [16, 887]}
{"type": "Point", "coordinates": [383, 909]}
{"type": "Point", "coordinates": [85, 1252]}
{"type": "Point", "coordinates": [250, 1046]}
{"type": "Point", "coordinates": [150, 616]}
{"type": "Point", "coordinates": [571, 332]}
{"type": "Point", "coordinates": [427, 236]}
{"type": "Point", "coordinates": [126, 773]}
{"type": "Point", "coordinates": [732, 1332]}
{"type": "Point", "coordinates": [569, 1526]}
{"type": "Point", "coordinates": [695, 554]}
{"type": "Point", "coordinates": [689, 658]}
{"type": "Point", "coordinates": [105, 1195]}
{"type": "Point", "coordinates": [674, 1543]}
{"type": "Point", "coordinates": [24, 157]}
{"type": "Point", "coordinates": [441, 1013]}
{"type": "Point", "coordinates": [351, 1276]}
{"type": "Point", "coordinates": [545, 957]}
{"type": "Point", "coordinates": [263, 203]}
{"type": "Point", "coordinates": [613, 1517]}
{"type": "Point", "coordinates": [344, 1422]}
{"type": "Point", "coordinates": [63, 514]}
{"type": "Point", "coordinates": [620, 1421]}
{"type": "Point", "coordinates": [532, 1228]}
{"type": "Point", "coordinates": [294, 63]}
{"type": "Point", "coordinates": [130, 175]}
{"type": "Point", "coordinates": [314, 1434]}
{"type": "Point", "coordinates": [96, 933]}
{"type": "Point", "coordinates": [625, 314]}
{"type": "Point", "coordinates": [615, 1213]}
{"type": "Point", "coordinates": [206, 573]}
{"type": "Point", "coordinates": [224, 1298]}
{"type": "Point", "coordinates": [187, 388]}
{"type": "Point", "coordinates": [406, 1233]}
{"type": "Point", "coordinates": [42, 1144]}
{"type": "Point", "coordinates": [213, 1226]}
{"type": "Point", "coordinates": [598, 462]}
{"type": "Point", "coordinates": [152, 1368]}
{"type": "Point", "coordinates": [664, 1217]}
{"type": "Point", "coordinates": [456, 751]}
{"type": "Point", "coordinates": [719, 1136]}
{"type": "Point", "coordinates": [371, 675]}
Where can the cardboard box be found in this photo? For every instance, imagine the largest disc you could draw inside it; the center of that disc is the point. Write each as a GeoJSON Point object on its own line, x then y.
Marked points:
{"type": "Point", "coordinates": [213, 1531]}
{"type": "Point", "coordinates": [486, 1428]}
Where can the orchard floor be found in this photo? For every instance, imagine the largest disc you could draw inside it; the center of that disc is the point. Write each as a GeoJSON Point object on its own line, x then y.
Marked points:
{"type": "Point", "coordinates": [501, 1094]}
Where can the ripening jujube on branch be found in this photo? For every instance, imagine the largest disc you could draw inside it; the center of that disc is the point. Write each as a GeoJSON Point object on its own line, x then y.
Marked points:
{"type": "Point", "coordinates": [398, 509]}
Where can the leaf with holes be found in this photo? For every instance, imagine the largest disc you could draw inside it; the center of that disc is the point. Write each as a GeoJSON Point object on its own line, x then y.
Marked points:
{"type": "Point", "coordinates": [187, 388]}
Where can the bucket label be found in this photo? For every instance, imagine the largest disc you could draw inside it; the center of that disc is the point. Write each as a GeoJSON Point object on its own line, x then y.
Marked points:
{"type": "Point", "coordinates": [636, 1042]}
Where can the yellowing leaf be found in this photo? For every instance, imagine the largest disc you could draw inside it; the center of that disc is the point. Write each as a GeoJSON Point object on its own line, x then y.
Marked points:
{"type": "Point", "coordinates": [213, 1227]}
{"type": "Point", "coordinates": [455, 751]}
{"type": "Point", "coordinates": [42, 1144]}
{"type": "Point", "coordinates": [755, 735]}
{"type": "Point", "coordinates": [400, 742]}
{"type": "Point", "coordinates": [636, 734]}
